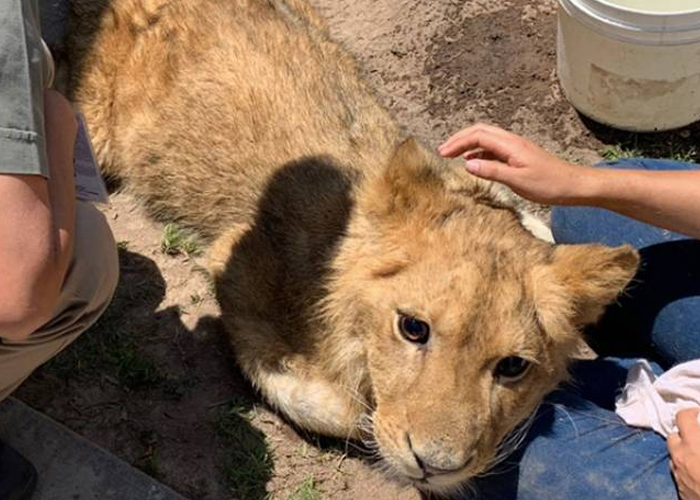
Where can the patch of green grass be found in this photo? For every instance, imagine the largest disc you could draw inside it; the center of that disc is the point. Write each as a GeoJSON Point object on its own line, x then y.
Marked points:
{"type": "Point", "coordinates": [135, 369]}
{"type": "Point", "coordinates": [113, 349]}
{"type": "Point", "coordinates": [191, 247]}
{"type": "Point", "coordinates": [306, 491]}
{"type": "Point", "coordinates": [180, 310]}
{"type": "Point", "coordinates": [175, 388]}
{"type": "Point", "coordinates": [148, 461]}
{"type": "Point", "coordinates": [670, 150]}
{"type": "Point", "coordinates": [686, 154]}
{"type": "Point", "coordinates": [248, 465]}
{"type": "Point", "coordinates": [149, 465]}
{"type": "Point", "coordinates": [108, 351]}
{"type": "Point", "coordinates": [613, 153]}
{"type": "Point", "coordinates": [123, 245]}
{"type": "Point", "coordinates": [177, 241]}
{"type": "Point", "coordinates": [674, 145]}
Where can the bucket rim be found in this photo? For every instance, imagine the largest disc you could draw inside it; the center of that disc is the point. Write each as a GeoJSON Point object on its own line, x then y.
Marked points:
{"type": "Point", "coordinates": [608, 12]}
{"type": "Point", "coordinates": [650, 13]}
{"type": "Point", "coordinates": [635, 26]}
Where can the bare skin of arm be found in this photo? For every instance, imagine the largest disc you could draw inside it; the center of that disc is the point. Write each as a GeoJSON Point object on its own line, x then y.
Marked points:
{"type": "Point", "coordinates": [36, 229]}
{"type": "Point", "coordinates": [670, 200]}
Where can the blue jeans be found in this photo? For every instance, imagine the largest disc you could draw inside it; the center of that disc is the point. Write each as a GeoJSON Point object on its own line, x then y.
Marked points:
{"type": "Point", "coordinates": [578, 448]}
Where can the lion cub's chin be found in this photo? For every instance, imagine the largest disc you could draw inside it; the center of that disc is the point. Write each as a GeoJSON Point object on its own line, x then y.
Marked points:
{"type": "Point", "coordinates": [402, 464]}
{"type": "Point", "coordinates": [445, 483]}
{"type": "Point", "coordinates": [414, 474]}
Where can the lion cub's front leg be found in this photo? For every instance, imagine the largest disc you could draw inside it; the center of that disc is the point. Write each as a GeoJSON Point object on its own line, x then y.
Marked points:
{"type": "Point", "coordinates": [290, 381]}
{"type": "Point", "coordinates": [310, 401]}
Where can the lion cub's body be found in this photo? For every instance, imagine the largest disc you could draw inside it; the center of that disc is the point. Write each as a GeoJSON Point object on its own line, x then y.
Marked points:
{"type": "Point", "coordinates": [215, 97]}
{"type": "Point", "coordinates": [243, 120]}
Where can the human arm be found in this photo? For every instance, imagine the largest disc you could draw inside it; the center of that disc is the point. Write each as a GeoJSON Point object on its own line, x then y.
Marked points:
{"type": "Point", "coordinates": [36, 229]}
{"type": "Point", "coordinates": [684, 448]}
{"type": "Point", "coordinates": [667, 199]}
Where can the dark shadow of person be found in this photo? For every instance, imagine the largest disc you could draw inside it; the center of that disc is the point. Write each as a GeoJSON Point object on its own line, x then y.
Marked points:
{"type": "Point", "coordinates": [669, 143]}
{"type": "Point", "coordinates": [135, 353]}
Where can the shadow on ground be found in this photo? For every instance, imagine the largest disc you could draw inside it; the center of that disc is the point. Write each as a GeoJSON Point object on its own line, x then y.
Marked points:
{"type": "Point", "coordinates": [167, 400]}
{"type": "Point", "coordinates": [681, 144]}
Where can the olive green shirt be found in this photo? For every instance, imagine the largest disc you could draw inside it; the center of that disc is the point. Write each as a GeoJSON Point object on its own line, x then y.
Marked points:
{"type": "Point", "coordinates": [23, 78]}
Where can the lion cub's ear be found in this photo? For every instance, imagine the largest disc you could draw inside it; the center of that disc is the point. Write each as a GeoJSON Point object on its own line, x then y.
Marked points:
{"type": "Point", "coordinates": [409, 182]}
{"type": "Point", "coordinates": [581, 281]}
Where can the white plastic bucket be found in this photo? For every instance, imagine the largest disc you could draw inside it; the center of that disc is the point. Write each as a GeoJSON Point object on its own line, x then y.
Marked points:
{"type": "Point", "coordinates": [630, 68]}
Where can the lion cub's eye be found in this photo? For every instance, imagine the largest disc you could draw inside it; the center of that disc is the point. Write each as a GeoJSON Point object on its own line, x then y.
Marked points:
{"type": "Point", "coordinates": [413, 329]}
{"type": "Point", "coordinates": [512, 368]}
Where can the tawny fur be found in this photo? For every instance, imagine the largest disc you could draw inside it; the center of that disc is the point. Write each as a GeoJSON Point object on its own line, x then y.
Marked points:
{"type": "Point", "coordinates": [243, 120]}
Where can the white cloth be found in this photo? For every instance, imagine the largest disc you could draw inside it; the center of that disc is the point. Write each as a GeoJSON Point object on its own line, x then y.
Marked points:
{"type": "Point", "coordinates": [652, 402]}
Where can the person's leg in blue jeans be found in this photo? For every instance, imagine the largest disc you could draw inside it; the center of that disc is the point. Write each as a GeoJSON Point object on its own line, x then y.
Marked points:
{"type": "Point", "coordinates": [659, 315]}
{"type": "Point", "coordinates": [578, 448]}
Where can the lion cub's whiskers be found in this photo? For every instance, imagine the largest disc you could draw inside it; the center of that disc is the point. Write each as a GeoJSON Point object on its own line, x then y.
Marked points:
{"type": "Point", "coordinates": [510, 443]}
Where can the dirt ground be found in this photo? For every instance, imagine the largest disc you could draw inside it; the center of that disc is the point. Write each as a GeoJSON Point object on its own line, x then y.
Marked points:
{"type": "Point", "coordinates": [154, 382]}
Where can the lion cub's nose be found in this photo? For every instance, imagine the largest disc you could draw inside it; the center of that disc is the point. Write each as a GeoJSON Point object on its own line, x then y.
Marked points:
{"type": "Point", "coordinates": [435, 459]}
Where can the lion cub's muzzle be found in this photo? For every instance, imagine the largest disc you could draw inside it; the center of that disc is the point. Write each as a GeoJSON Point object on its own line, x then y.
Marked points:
{"type": "Point", "coordinates": [442, 466]}
{"type": "Point", "coordinates": [430, 461]}
{"type": "Point", "coordinates": [436, 459]}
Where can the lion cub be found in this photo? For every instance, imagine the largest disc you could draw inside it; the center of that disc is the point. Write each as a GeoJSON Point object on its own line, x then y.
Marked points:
{"type": "Point", "coordinates": [370, 289]}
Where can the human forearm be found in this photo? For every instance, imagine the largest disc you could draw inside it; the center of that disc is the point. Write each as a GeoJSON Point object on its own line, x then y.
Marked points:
{"type": "Point", "coordinates": [36, 245]}
{"type": "Point", "coordinates": [35, 251]}
{"type": "Point", "coordinates": [24, 71]}
{"type": "Point", "coordinates": [666, 199]}
{"type": "Point", "coordinates": [36, 230]}
{"type": "Point", "coordinates": [29, 279]}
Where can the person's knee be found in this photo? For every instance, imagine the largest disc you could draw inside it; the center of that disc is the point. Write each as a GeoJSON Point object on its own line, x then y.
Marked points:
{"type": "Point", "coordinates": [87, 291]}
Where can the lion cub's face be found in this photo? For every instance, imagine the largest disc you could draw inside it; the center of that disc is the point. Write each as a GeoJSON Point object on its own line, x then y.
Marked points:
{"type": "Point", "coordinates": [468, 320]}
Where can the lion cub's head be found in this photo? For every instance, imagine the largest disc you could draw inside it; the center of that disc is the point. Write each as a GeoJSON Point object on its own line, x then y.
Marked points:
{"type": "Point", "coordinates": [466, 319]}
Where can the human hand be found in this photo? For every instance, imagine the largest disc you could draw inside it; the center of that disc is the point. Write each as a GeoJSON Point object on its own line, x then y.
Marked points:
{"type": "Point", "coordinates": [684, 448]}
{"type": "Point", "coordinates": [495, 154]}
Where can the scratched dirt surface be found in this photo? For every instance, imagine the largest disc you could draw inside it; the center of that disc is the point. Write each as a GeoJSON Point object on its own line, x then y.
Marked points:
{"type": "Point", "coordinates": [154, 381]}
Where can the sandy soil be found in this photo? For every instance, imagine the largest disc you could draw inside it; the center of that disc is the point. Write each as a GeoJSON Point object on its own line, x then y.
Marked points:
{"type": "Point", "coordinates": [154, 382]}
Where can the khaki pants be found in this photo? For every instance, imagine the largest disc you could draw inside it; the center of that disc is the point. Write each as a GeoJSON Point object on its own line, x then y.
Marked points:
{"type": "Point", "coordinates": [86, 293]}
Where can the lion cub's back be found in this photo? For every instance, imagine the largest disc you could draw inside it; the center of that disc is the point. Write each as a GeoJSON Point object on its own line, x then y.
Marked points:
{"type": "Point", "coordinates": [196, 103]}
